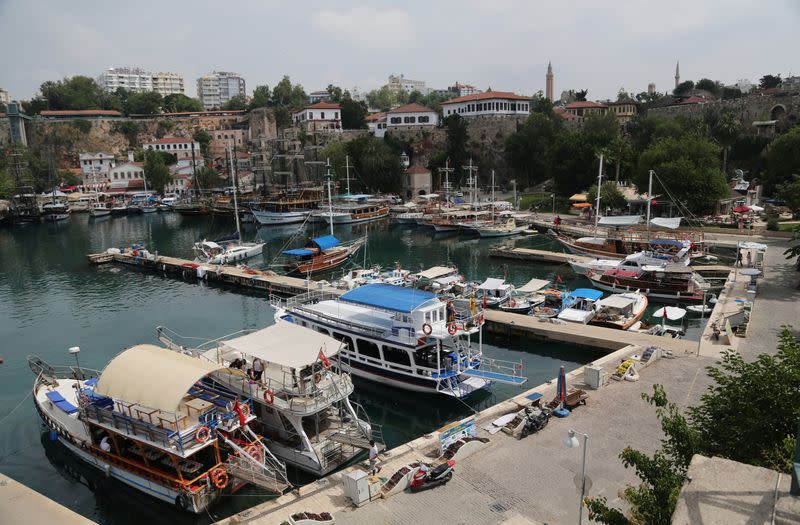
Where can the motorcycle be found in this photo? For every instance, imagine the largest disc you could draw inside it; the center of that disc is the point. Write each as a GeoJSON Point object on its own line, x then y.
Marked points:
{"type": "Point", "coordinates": [535, 420]}
{"type": "Point", "coordinates": [427, 478]}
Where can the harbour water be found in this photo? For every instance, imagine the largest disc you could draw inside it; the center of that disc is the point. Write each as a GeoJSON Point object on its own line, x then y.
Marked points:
{"type": "Point", "coordinates": [51, 299]}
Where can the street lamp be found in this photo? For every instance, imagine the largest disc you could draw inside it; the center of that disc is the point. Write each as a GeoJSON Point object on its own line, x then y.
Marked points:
{"type": "Point", "coordinates": [571, 441]}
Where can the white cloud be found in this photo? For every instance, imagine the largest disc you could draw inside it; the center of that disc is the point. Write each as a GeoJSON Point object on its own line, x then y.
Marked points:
{"type": "Point", "coordinates": [367, 27]}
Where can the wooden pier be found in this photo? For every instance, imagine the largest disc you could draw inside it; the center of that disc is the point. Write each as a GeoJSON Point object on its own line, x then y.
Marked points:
{"type": "Point", "coordinates": [530, 254]}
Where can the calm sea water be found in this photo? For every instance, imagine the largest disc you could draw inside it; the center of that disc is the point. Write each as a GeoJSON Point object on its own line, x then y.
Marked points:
{"type": "Point", "coordinates": [51, 299]}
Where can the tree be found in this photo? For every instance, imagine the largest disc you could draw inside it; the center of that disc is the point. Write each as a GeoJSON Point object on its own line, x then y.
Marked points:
{"type": "Point", "coordinates": [528, 149]}
{"type": "Point", "coordinates": [261, 98]}
{"type": "Point", "coordinates": [610, 196]}
{"type": "Point", "coordinates": [724, 127]}
{"type": "Point", "coordinates": [381, 99]}
{"type": "Point", "coordinates": [236, 103]}
{"type": "Point", "coordinates": [688, 168]}
{"type": "Point", "coordinates": [78, 92]}
{"type": "Point", "coordinates": [377, 164]}
{"type": "Point", "coordinates": [789, 192]}
{"type": "Point", "coordinates": [706, 84]}
{"type": "Point", "coordinates": [541, 104]}
{"type": "Point", "coordinates": [770, 81]}
{"type": "Point", "coordinates": [68, 178]}
{"type": "Point", "coordinates": [783, 159]}
{"type": "Point", "coordinates": [147, 103]}
{"type": "Point", "coordinates": [354, 113]}
{"type": "Point", "coordinates": [336, 92]}
{"type": "Point", "coordinates": [155, 171]}
{"type": "Point", "coordinates": [575, 163]}
{"type": "Point", "coordinates": [457, 136]}
{"type": "Point", "coordinates": [623, 95]}
{"type": "Point", "coordinates": [683, 88]}
{"type": "Point", "coordinates": [209, 178]}
{"type": "Point", "coordinates": [644, 131]}
{"type": "Point", "coordinates": [204, 139]}
{"type": "Point", "coordinates": [729, 92]}
{"type": "Point", "coordinates": [580, 96]}
{"type": "Point", "coordinates": [646, 97]}
{"type": "Point", "coordinates": [179, 103]}
{"type": "Point", "coordinates": [285, 97]}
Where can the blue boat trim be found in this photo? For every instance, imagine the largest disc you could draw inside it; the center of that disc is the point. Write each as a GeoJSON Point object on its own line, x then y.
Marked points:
{"type": "Point", "coordinates": [389, 297]}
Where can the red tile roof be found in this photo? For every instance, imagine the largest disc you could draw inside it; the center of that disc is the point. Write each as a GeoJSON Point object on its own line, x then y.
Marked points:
{"type": "Point", "coordinates": [416, 168]}
{"type": "Point", "coordinates": [324, 105]}
{"type": "Point", "coordinates": [170, 140]}
{"type": "Point", "coordinates": [692, 100]}
{"type": "Point", "coordinates": [81, 113]}
{"type": "Point", "coordinates": [412, 108]}
{"type": "Point", "coordinates": [376, 117]}
{"type": "Point", "coordinates": [563, 113]}
{"type": "Point", "coordinates": [584, 104]}
{"type": "Point", "coordinates": [486, 95]}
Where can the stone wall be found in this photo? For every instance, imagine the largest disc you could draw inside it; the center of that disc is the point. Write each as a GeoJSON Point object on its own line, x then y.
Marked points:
{"type": "Point", "coordinates": [5, 131]}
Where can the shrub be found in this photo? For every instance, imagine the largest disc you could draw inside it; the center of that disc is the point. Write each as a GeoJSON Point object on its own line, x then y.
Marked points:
{"type": "Point", "coordinates": [772, 224]}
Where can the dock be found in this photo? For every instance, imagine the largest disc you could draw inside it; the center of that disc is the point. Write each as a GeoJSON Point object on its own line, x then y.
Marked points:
{"type": "Point", "coordinates": [20, 505]}
{"type": "Point", "coordinates": [504, 251]}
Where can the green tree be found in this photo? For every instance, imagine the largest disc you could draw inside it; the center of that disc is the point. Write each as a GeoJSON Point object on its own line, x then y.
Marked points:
{"type": "Point", "coordinates": [783, 159]}
{"type": "Point", "coordinates": [6, 184]}
{"type": "Point", "coordinates": [236, 103]}
{"type": "Point", "coordinates": [78, 92]}
{"type": "Point", "coordinates": [261, 98]}
{"type": "Point", "coordinates": [541, 104]}
{"type": "Point", "coordinates": [789, 191]}
{"type": "Point", "coordinates": [377, 165]}
{"type": "Point", "coordinates": [725, 128]}
{"type": "Point", "coordinates": [644, 131]}
{"type": "Point", "coordinates": [203, 137]}
{"type": "Point", "coordinates": [155, 171]}
{"type": "Point", "coordinates": [456, 145]}
{"type": "Point", "coordinates": [354, 113]}
{"type": "Point", "coordinates": [179, 103]}
{"type": "Point", "coordinates": [68, 178]}
{"type": "Point", "coordinates": [601, 130]}
{"type": "Point", "coordinates": [580, 96]}
{"type": "Point", "coordinates": [528, 149]}
{"type": "Point", "coordinates": [381, 99]}
{"type": "Point", "coordinates": [688, 167]}
{"type": "Point", "coordinates": [336, 92]}
{"type": "Point", "coordinates": [336, 153]}
{"type": "Point", "coordinates": [683, 88]}
{"type": "Point", "coordinates": [575, 163]}
{"type": "Point", "coordinates": [129, 128]}
{"type": "Point", "coordinates": [286, 97]}
{"type": "Point", "coordinates": [730, 93]}
{"type": "Point", "coordinates": [147, 103]}
{"type": "Point", "coordinates": [709, 85]}
{"type": "Point", "coordinates": [610, 196]}
{"type": "Point", "coordinates": [770, 81]}
{"type": "Point", "coordinates": [623, 95]}
{"type": "Point", "coordinates": [208, 178]}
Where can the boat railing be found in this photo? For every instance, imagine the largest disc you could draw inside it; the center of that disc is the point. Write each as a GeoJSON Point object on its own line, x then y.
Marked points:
{"type": "Point", "coordinates": [310, 297]}
{"type": "Point", "coordinates": [195, 345]}
{"type": "Point", "coordinates": [309, 399]}
{"type": "Point", "coordinates": [47, 372]}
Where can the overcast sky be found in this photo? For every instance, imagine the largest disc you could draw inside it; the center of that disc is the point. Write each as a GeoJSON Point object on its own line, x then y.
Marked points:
{"type": "Point", "coordinates": [502, 44]}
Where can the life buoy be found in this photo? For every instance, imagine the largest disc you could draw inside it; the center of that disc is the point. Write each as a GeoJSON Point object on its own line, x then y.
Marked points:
{"type": "Point", "coordinates": [317, 378]}
{"type": "Point", "coordinates": [452, 328]}
{"type": "Point", "coordinates": [427, 329]}
{"type": "Point", "coordinates": [255, 452]}
{"type": "Point", "coordinates": [219, 477]}
{"type": "Point", "coordinates": [245, 408]}
{"type": "Point", "coordinates": [202, 434]}
{"type": "Point", "coordinates": [269, 397]}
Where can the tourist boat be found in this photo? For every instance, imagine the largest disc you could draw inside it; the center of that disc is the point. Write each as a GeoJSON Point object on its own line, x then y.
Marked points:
{"type": "Point", "coordinates": [439, 280]}
{"type": "Point", "coordinates": [82, 204]}
{"type": "Point", "coordinates": [503, 228]}
{"type": "Point", "coordinates": [358, 276]}
{"type": "Point", "coordinates": [150, 421]}
{"type": "Point", "coordinates": [622, 243]}
{"type": "Point", "coordinates": [666, 328]}
{"type": "Point", "coordinates": [620, 310]}
{"type": "Point", "coordinates": [579, 305]}
{"type": "Point", "coordinates": [402, 337]}
{"type": "Point", "coordinates": [119, 208]}
{"type": "Point", "coordinates": [301, 401]}
{"type": "Point", "coordinates": [321, 254]}
{"type": "Point", "coordinates": [526, 297]}
{"type": "Point", "coordinates": [458, 220]}
{"type": "Point", "coordinates": [668, 282]}
{"type": "Point", "coordinates": [99, 209]}
{"type": "Point", "coordinates": [55, 211]}
{"type": "Point", "coordinates": [633, 261]}
{"type": "Point", "coordinates": [409, 218]}
{"type": "Point", "coordinates": [355, 208]}
{"type": "Point", "coordinates": [288, 208]}
{"type": "Point", "coordinates": [167, 202]}
{"type": "Point", "coordinates": [494, 292]}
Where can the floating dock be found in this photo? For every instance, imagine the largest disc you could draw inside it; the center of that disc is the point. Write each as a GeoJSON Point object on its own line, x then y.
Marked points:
{"type": "Point", "coordinates": [529, 254]}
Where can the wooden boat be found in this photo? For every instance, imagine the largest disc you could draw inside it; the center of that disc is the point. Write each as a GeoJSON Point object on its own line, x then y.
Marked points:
{"type": "Point", "coordinates": [526, 297]}
{"type": "Point", "coordinates": [621, 310]}
{"type": "Point", "coordinates": [618, 245]}
{"type": "Point", "coordinates": [667, 283]}
{"type": "Point", "coordinates": [321, 254]}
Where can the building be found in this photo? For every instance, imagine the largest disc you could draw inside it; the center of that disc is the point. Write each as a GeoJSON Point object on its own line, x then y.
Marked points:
{"type": "Point", "coordinates": [462, 90]}
{"type": "Point", "coordinates": [489, 104]}
{"type": "Point", "coordinates": [167, 84]}
{"type": "Point", "coordinates": [376, 123]}
{"type": "Point", "coordinates": [183, 148]}
{"type": "Point", "coordinates": [417, 181]}
{"type": "Point", "coordinates": [127, 177]}
{"type": "Point", "coordinates": [133, 79]}
{"type": "Point", "coordinates": [399, 84]}
{"type": "Point", "coordinates": [412, 116]}
{"type": "Point", "coordinates": [216, 89]}
{"type": "Point", "coordinates": [548, 92]}
{"type": "Point", "coordinates": [322, 116]}
{"type": "Point", "coordinates": [16, 123]}
{"type": "Point", "coordinates": [677, 74]}
{"type": "Point", "coordinates": [95, 167]}
{"type": "Point", "coordinates": [5, 98]}
{"type": "Point", "coordinates": [789, 83]}
{"type": "Point", "coordinates": [222, 139]}
{"type": "Point", "coordinates": [651, 88]}
{"type": "Point", "coordinates": [319, 96]}
{"type": "Point", "coordinates": [584, 108]}
{"type": "Point", "coordinates": [624, 110]}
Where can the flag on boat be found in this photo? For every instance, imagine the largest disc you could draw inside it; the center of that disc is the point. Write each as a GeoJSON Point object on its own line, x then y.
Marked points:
{"type": "Point", "coordinates": [325, 361]}
{"type": "Point", "coordinates": [238, 410]}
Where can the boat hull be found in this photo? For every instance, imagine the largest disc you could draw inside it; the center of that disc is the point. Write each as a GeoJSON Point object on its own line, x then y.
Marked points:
{"type": "Point", "coordinates": [651, 293]}
{"type": "Point", "coordinates": [56, 216]}
{"type": "Point", "coordinates": [247, 252]}
{"type": "Point", "coordinates": [270, 217]}
{"type": "Point", "coordinates": [349, 218]}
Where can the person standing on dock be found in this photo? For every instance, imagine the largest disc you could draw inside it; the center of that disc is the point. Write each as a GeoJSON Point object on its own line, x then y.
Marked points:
{"type": "Point", "coordinates": [373, 458]}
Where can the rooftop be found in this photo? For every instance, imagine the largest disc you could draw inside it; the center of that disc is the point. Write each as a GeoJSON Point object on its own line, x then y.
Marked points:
{"type": "Point", "coordinates": [412, 108]}
{"type": "Point", "coordinates": [389, 297]}
{"type": "Point", "coordinates": [376, 117]}
{"type": "Point", "coordinates": [486, 95]}
{"type": "Point", "coordinates": [584, 104]}
{"type": "Point", "coordinates": [170, 140]}
{"type": "Point", "coordinates": [416, 169]}
{"type": "Point", "coordinates": [324, 105]}
{"type": "Point", "coordinates": [81, 113]}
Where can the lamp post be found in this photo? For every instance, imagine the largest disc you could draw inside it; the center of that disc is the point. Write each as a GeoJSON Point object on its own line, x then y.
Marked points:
{"type": "Point", "coordinates": [571, 441]}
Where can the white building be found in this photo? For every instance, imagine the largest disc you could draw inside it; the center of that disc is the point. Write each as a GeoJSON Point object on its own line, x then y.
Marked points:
{"type": "Point", "coordinates": [397, 84]}
{"type": "Point", "coordinates": [322, 116]}
{"type": "Point", "coordinates": [462, 90]}
{"type": "Point", "coordinates": [181, 147]}
{"type": "Point", "coordinates": [217, 88]}
{"type": "Point", "coordinates": [95, 166]}
{"type": "Point", "coordinates": [131, 78]}
{"type": "Point", "coordinates": [167, 83]}
{"type": "Point", "coordinates": [376, 123]}
{"type": "Point", "coordinates": [127, 177]}
{"type": "Point", "coordinates": [412, 116]}
{"type": "Point", "coordinates": [488, 103]}
{"type": "Point", "coordinates": [5, 98]}
{"type": "Point", "coordinates": [319, 96]}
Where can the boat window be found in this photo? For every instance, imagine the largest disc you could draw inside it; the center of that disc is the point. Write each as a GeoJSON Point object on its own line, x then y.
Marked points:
{"type": "Point", "coordinates": [425, 357]}
{"type": "Point", "coordinates": [348, 342]}
{"type": "Point", "coordinates": [321, 330]}
{"type": "Point", "coordinates": [396, 355]}
{"type": "Point", "coordinates": [368, 349]}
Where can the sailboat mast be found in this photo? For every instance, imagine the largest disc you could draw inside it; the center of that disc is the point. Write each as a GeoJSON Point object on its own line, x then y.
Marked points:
{"type": "Point", "coordinates": [493, 196]}
{"type": "Point", "coordinates": [235, 202]}
{"type": "Point", "coordinates": [649, 198]}
{"type": "Point", "coordinates": [347, 171]}
{"type": "Point", "coordinates": [330, 198]}
{"type": "Point", "coordinates": [599, 182]}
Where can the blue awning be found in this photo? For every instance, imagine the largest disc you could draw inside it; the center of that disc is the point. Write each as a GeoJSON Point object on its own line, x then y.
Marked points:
{"type": "Point", "coordinates": [326, 242]}
{"type": "Point", "coordinates": [586, 293]}
{"type": "Point", "coordinates": [298, 252]}
{"type": "Point", "coordinates": [667, 242]}
{"type": "Point", "coordinates": [389, 297]}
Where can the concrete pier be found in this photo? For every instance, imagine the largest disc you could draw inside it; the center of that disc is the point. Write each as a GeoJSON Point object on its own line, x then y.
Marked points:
{"type": "Point", "coordinates": [20, 505]}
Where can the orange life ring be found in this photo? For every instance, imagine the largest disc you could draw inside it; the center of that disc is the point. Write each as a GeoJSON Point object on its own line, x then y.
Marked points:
{"type": "Point", "coordinates": [269, 397]}
{"type": "Point", "coordinates": [202, 434]}
{"type": "Point", "coordinates": [427, 329]}
{"type": "Point", "coordinates": [452, 328]}
{"type": "Point", "coordinates": [255, 452]}
{"type": "Point", "coordinates": [245, 408]}
{"type": "Point", "coordinates": [219, 477]}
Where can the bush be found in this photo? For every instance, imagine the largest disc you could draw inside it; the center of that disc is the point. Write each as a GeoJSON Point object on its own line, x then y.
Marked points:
{"type": "Point", "coordinates": [772, 224]}
{"type": "Point", "coordinates": [84, 126]}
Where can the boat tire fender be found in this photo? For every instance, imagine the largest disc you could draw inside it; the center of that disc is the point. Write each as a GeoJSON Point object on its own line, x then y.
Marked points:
{"type": "Point", "coordinates": [202, 434]}
{"type": "Point", "coordinates": [317, 378]}
{"type": "Point", "coordinates": [427, 329]}
{"type": "Point", "coordinates": [182, 502]}
{"type": "Point", "coordinates": [452, 328]}
{"type": "Point", "coordinates": [269, 397]}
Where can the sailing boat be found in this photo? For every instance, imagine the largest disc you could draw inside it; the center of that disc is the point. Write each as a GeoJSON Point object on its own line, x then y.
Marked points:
{"type": "Point", "coordinates": [504, 227]}
{"type": "Point", "coordinates": [226, 251]}
{"type": "Point", "coordinates": [57, 209]}
{"type": "Point", "coordinates": [99, 209]}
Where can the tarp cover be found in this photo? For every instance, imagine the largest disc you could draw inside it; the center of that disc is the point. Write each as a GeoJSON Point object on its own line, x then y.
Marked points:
{"type": "Point", "coordinates": [748, 245]}
{"type": "Point", "coordinates": [492, 283]}
{"type": "Point", "coordinates": [534, 285]}
{"type": "Point", "coordinates": [587, 293]}
{"type": "Point", "coordinates": [389, 297]}
{"type": "Point", "coordinates": [616, 301]}
{"type": "Point", "coordinates": [666, 242]}
{"type": "Point", "coordinates": [153, 377]}
{"type": "Point", "coordinates": [326, 242]}
{"type": "Point", "coordinates": [673, 312]}
{"type": "Point", "coordinates": [284, 344]}
{"type": "Point", "coordinates": [298, 252]}
{"type": "Point", "coordinates": [620, 220]}
{"type": "Point", "coordinates": [666, 222]}
{"type": "Point", "coordinates": [435, 272]}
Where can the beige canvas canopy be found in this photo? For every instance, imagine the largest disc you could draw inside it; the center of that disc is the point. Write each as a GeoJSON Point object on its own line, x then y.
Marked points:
{"type": "Point", "coordinates": [435, 272]}
{"type": "Point", "coordinates": [284, 344]}
{"type": "Point", "coordinates": [534, 285]}
{"type": "Point", "coordinates": [154, 377]}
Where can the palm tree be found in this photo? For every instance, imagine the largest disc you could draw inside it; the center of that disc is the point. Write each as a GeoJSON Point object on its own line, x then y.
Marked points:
{"type": "Point", "coordinates": [725, 128]}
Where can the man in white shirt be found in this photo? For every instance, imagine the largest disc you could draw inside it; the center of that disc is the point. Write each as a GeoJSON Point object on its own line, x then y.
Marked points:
{"type": "Point", "coordinates": [373, 458]}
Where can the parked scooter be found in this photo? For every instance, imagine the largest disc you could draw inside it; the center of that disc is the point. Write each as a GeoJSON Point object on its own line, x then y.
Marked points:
{"type": "Point", "coordinates": [535, 420]}
{"type": "Point", "coordinates": [428, 478]}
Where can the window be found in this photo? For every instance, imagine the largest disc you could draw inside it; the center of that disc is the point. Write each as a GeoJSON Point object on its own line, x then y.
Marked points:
{"type": "Point", "coordinates": [396, 355]}
{"type": "Point", "coordinates": [322, 113]}
{"type": "Point", "coordinates": [336, 115]}
{"type": "Point", "coordinates": [395, 120]}
{"type": "Point", "coordinates": [368, 349]}
{"type": "Point", "coordinates": [348, 342]}
{"type": "Point", "coordinates": [424, 119]}
{"type": "Point", "coordinates": [409, 120]}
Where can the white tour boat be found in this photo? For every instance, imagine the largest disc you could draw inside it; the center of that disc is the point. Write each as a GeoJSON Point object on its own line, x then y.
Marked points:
{"type": "Point", "coordinates": [579, 305]}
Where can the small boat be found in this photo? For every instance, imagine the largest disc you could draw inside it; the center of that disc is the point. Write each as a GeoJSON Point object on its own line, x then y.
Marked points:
{"type": "Point", "coordinates": [526, 297]}
{"type": "Point", "coordinates": [505, 228]}
{"type": "Point", "coordinates": [551, 305]}
{"type": "Point", "coordinates": [620, 310]}
{"type": "Point", "coordinates": [438, 279]}
{"type": "Point", "coordinates": [55, 211]}
{"type": "Point", "coordinates": [99, 209]}
{"type": "Point", "coordinates": [408, 218]}
{"type": "Point", "coordinates": [357, 277]}
{"type": "Point", "coordinates": [633, 261]}
{"type": "Point", "coordinates": [668, 282]}
{"type": "Point", "coordinates": [119, 208]}
{"type": "Point", "coordinates": [495, 292]}
{"type": "Point", "coordinates": [579, 305]}
{"type": "Point", "coordinates": [699, 309]}
{"type": "Point", "coordinates": [226, 251]}
{"type": "Point", "coordinates": [665, 328]}
{"type": "Point", "coordinates": [320, 254]}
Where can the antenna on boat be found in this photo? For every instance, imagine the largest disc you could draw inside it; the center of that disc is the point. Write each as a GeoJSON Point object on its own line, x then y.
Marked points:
{"type": "Point", "coordinates": [493, 203]}
{"type": "Point", "coordinates": [599, 182]}
{"type": "Point", "coordinates": [347, 172]}
{"type": "Point", "coordinates": [329, 178]}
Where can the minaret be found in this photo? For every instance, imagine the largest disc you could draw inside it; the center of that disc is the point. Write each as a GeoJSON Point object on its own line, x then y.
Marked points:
{"type": "Point", "coordinates": [677, 74]}
{"type": "Point", "coordinates": [549, 84]}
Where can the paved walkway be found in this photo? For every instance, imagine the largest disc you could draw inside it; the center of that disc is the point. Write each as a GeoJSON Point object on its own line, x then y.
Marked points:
{"type": "Point", "coordinates": [20, 505]}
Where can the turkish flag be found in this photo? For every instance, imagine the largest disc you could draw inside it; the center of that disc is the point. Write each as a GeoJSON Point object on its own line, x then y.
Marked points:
{"type": "Point", "coordinates": [238, 410]}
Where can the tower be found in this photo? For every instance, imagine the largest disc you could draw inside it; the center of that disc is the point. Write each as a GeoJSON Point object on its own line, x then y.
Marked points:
{"type": "Point", "coordinates": [549, 82]}
{"type": "Point", "coordinates": [677, 74]}
{"type": "Point", "coordinates": [651, 88]}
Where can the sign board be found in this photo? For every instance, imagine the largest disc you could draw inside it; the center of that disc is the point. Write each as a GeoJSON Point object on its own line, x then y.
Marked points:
{"type": "Point", "coordinates": [451, 433]}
